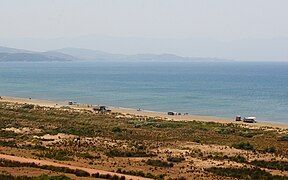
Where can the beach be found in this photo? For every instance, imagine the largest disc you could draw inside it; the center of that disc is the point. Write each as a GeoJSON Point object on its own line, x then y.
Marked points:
{"type": "Point", "coordinates": [140, 113]}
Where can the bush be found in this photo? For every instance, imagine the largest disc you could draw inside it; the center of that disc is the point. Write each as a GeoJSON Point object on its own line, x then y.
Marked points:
{"type": "Point", "coordinates": [225, 131]}
{"type": "Point", "coordinates": [238, 158]}
{"type": "Point", "coordinates": [175, 159]}
{"type": "Point", "coordinates": [27, 106]}
{"type": "Point", "coordinates": [159, 163]}
{"type": "Point", "coordinates": [244, 146]}
{"type": "Point", "coordinates": [248, 134]}
{"type": "Point", "coordinates": [96, 175]}
{"type": "Point", "coordinates": [279, 165]}
{"type": "Point", "coordinates": [117, 130]}
{"type": "Point", "coordinates": [243, 173]}
{"type": "Point", "coordinates": [270, 150]}
{"type": "Point", "coordinates": [8, 143]}
{"type": "Point", "coordinates": [117, 153]}
{"type": "Point", "coordinates": [284, 138]}
{"type": "Point", "coordinates": [139, 173]}
{"type": "Point", "coordinates": [81, 173]}
{"type": "Point", "coordinates": [61, 155]}
{"type": "Point", "coordinates": [42, 177]}
{"type": "Point", "coordinates": [77, 172]}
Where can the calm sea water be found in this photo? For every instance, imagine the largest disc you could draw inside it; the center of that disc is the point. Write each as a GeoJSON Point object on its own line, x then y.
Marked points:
{"type": "Point", "coordinates": [216, 89]}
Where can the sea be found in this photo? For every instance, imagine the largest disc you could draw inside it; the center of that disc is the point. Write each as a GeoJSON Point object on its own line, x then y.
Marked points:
{"type": "Point", "coordinates": [220, 89]}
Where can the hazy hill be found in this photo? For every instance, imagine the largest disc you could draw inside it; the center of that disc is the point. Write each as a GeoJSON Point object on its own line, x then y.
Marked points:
{"type": "Point", "coordinates": [88, 54]}
{"type": "Point", "coordinates": [249, 49]}
{"type": "Point", "coordinates": [20, 55]}
{"type": "Point", "coordinates": [79, 54]}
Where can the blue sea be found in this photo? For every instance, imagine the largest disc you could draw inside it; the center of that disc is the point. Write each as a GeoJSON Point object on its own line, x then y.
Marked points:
{"type": "Point", "coordinates": [222, 89]}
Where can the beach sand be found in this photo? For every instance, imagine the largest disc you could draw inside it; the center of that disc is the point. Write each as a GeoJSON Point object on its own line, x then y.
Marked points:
{"type": "Point", "coordinates": [142, 113]}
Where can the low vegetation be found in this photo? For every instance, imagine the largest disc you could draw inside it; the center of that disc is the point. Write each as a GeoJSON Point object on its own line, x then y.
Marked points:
{"type": "Point", "coordinates": [243, 146]}
{"type": "Point", "coordinates": [141, 146]}
{"type": "Point", "coordinates": [175, 159]}
{"type": "Point", "coordinates": [159, 163]}
{"type": "Point", "coordinates": [77, 172]}
{"type": "Point", "coordinates": [122, 153]}
{"type": "Point", "coordinates": [141, 174]}
{"type": "Point", "coordinates": [61, 155]}
{"type": "Point", "coordinates": [244, 173]}
{"type": "Point", "coordinates": [279, 165]}
{"type": "Point", "coordinates": [41, 177]}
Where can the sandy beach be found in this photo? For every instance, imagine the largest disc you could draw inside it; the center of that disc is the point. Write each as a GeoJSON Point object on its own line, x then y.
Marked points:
{"type": "Point", "coordinates": [142, 113]}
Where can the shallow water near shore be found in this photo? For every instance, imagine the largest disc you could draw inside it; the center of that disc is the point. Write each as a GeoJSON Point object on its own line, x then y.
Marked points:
{"type": "Point", "coordinates": [223, 89]}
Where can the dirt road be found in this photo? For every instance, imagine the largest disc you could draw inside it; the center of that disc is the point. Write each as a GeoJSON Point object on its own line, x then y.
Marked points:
{"type": "Point", "coordinates": [50, 163]}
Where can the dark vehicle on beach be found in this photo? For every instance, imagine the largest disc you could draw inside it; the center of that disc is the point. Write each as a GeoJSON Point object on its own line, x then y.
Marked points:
{"type": "Point", "coordinates": [101, 109]}
{"type": "Point", "coordinates": [172, 113]}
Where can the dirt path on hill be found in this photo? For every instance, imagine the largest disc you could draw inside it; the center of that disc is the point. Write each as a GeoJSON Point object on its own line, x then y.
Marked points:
{"type": "Point", "coordinates": [50, 163]}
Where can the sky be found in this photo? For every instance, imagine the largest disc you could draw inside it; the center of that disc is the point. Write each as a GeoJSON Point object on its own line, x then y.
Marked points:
{"type": "Point", "coordinates": [220, 20]}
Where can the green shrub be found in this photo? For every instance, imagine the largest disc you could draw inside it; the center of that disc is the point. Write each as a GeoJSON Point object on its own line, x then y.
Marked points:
{"type": "Point", "coordinates": [8, 143]}
{"type": "Point", "coordinates": [159, 163]}
{"type": "Point", "coordinates": [28, 106]}
{"type": "Point", "coordinates": [81, 173]}
{"type": "Point", "coordinates": [116, 130]}
{"type": "Point", "coordinates": [138, 153]}
{"type": "Point", "coordinates": [225, 131]}
{"type": "Point", "coordinates": [61, 155]}
{"type": "Point", "coordinates": [41, 177]}
{"type": "Point", "coordinates": [284, 138]}
{"type": "Point", "coordinates": [244, 146]}
{"type": "Point", "coordinates": [175, 159]}
{"type": "Point", "coordinates": [243, 173]}
{"type": "Point", "coordinates": [139, 173]}
{"type": "Point", "coordinates": [77, 172]}
{"type": "Point", "coordinates": [280, 165]}
{"type": "Point", "coordinates": [247, 133]}
{"type": "Point", "coordinates": [238, 158]}
{"type": "Point", "coordinates": [270, 150]}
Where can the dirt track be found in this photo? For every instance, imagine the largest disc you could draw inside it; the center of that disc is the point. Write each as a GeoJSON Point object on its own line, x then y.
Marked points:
{"type": "Point", "coordinates": [49, 163]}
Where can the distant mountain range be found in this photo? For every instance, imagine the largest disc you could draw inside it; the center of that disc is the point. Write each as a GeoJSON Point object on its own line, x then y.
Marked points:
{"type": "Point", "coordinates": [77, 54]}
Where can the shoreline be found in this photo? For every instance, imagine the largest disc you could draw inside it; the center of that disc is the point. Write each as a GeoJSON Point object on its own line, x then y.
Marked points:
{"type": "Point", "coordinates": [142, 113]}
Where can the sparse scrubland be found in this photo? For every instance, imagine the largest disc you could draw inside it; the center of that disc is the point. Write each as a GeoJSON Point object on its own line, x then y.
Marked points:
{"type": "Point", "coordinates": [138, 146]}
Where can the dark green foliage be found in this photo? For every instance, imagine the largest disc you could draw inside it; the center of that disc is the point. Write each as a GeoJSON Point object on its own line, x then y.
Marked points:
{"type": "Point", "coordinates": [77, 172]}
{"type": "Point", "coordinates": [238, 158]}
{"type": "Point", "coordinates": [141, 174]}
{"type": "Point", "coordinates": [225, 131]}
{"type": "Point", "coordinates": [244, 146]}
{"type": "Point", "coordinates": [8, 143]}
{"type": "Point", "coordinates": [7, 134]}
{"type": "Point", "coordinates": [284, 138]}
{"type": "Point", "coordinates": [159, 163]}
{"type": "Point", "coordinates": [86, 155]}
{"type": "Point", "coordinates": [244, 173]}
{"type": "Point", "coordinates": [117, 130]}
{"type": "Point", "coordinates": [270, 150]}
{"type": "Point", "coordinates": [279, 165]}
{"type": "Point", "coordinates": [247, 133]}
{"type": "Point", "coordinates": [81, 173]}
{"type": "Point", "coordinates": [175, 159]}
{"type": "Point", "coordinates": [61, 155]}
{"type": "Point", "coordinates": [138, 153]}
{"type": "Point", "coordinates": [28, 106]}
{"type": "Point", "coordinates": [42, 177]}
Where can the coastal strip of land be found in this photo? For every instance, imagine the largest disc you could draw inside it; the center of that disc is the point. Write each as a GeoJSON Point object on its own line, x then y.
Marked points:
{"type": "Point", "coordinates": [141, 113]}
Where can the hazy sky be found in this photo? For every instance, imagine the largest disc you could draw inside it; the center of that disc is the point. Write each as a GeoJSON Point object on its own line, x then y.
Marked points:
{"type": "Point", "coordinates": [218, 19]}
